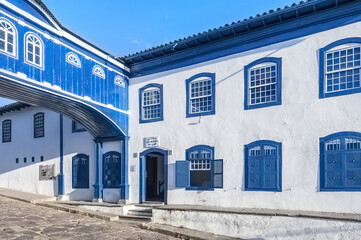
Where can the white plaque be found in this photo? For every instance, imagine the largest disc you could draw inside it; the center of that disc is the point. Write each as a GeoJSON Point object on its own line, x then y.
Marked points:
{"type": "Point", "coordinates": [46, 172]}
{"type": "Point", "coordinates": [150, 142]}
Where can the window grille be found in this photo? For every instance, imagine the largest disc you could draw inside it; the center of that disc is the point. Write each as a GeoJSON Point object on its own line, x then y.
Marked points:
{"type": "Point", "coordinates": [39, 125]}
{"type": "Point", "coordinates": [98, 71]}
{"type": "Point", "coordinates": [333, 145]}
{"type": "Point", "coordinates": [7, 131]}
{"type": "Point", "coordinates": [269, 150]}
{"type": "Point", "coordinates": [263, 84]}
{"type": "Point", "coordinates": [200, 160]}
{"type": "Point", "coordinates": [352, 143]}
{"type": "Point", "coordinates": [151, 99]}
{"type": "Point", "coordinates": [34, 50]}
{"type": "Point", "coordinates": [7, 38]}
{"type": "Point", "coordinates": [255, 151]}
{"type": "Point", "coordinates": [200, 95]}
{"type": "Point", "coordinates": [342, 69]}
{"type": "Point", "coordinates": [73, 59]}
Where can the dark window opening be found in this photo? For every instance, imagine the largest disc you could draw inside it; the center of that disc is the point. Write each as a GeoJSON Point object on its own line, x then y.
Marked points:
{"type": "Point", "coordinates": [39, 125]}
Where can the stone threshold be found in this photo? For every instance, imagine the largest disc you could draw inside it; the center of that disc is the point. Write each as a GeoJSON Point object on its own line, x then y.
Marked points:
{"type": "Point", "coordinates": [266, 212]}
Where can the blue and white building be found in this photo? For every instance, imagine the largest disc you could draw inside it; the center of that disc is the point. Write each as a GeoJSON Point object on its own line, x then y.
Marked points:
{"type": "Point", "coordinates": [261, 113]}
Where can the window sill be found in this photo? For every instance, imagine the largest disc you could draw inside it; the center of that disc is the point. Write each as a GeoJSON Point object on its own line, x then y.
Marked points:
{"type": "Point", "coordinates": [189, 115]}
{"type": "Point", "coordinates": [340, 189]}
{"type": "Point", "coordinates": [340, 93]}
{"type": "Point", "coordinates": [263, 189]}
{"type": "Point", "coordinates": [263, 105]}
{"type": "Point", "coordinates": [151, 120]}
{"type": "Point", "coordinates": [199, 188]}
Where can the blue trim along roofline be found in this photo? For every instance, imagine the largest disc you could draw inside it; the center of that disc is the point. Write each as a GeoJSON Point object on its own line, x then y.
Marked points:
{"type": "Point", "coordinates": [278, 62]}
{"type": "Point", "coordinates": [212, 76]}
{"type": "Point", "coordinates": [289, 23]}
{"type": "Point", "coordinates": [155, 85]}
{"type": "Point", "coordinates": [198, 147]}
{"type": "Point", "coordinates": [278, 146]}
{"type": "Point", "coordinates": [322, 52]}
{"type": "Point", "coordinates": [322, 169]}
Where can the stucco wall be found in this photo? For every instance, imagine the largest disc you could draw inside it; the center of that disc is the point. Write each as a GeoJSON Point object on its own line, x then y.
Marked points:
{"type": "Point", "coordinates": [258, 226]}
{"type": "Point", "coordinates": [298, 123]}
{"type": "Point", "coordinates": [25, 176]}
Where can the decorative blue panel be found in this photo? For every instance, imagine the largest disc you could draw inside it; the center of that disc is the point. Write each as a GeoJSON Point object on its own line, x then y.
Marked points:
{"type": "Point", "coordinates": [182, 174]}
{"type": "Point", "coordinates": [340, 162]}
{"type": "Point", "coordinates": [217, 173]}
{"type": "Point", "coordinates": [80, 177]}
{"type": "Point", "coordinates": [111, 169]}
{"type": "Point", "coordinates": [263, 166]}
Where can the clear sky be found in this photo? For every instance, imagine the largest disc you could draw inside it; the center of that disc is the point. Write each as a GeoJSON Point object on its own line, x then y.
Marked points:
{"type": "Point", "coordinates": [122, 27]}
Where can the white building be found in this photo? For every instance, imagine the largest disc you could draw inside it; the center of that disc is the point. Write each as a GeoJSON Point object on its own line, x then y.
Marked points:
{"type": "Point", "coordinates": [33, 138]}
{"type": "Point", "coordinates": [258, 114]}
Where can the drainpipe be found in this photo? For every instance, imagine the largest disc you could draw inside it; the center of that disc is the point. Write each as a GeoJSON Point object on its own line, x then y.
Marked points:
{"type": "Point", "coordinates": [98, 186]}
{"type": "Point", "coordinates": [61, 196]}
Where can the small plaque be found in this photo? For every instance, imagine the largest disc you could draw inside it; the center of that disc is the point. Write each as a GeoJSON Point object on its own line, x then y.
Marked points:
{"type": "Point", "coordinates": [132, 168]}
{"type": "Point", "coordinates": [150, 142]}
{"type": "Point", "coordinates": [135, 155]}
{"type": "Point", "coordinates": [46, 172]}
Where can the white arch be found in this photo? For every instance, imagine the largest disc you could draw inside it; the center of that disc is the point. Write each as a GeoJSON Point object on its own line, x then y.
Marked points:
{"type": "Point", "coordinates": [10, 39]}
{"type": "Point", "coordinates": [73, 59]}
{"type": "Point", "coordinates": [98, 71]}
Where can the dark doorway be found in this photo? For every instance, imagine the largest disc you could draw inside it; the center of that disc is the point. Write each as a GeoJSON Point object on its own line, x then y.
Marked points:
{"type": "Point", "coordinates": [154, 177]}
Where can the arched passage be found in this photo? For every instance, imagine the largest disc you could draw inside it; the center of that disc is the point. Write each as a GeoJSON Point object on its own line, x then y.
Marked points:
{"type": "Point", "coordinates": [99, 125]}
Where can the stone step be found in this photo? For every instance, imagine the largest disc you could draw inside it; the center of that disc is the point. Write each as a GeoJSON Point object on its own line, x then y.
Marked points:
{"type": "Point", "coordinates": [135, 218]}
{"type": "Point", "coordinates": [140, 212]}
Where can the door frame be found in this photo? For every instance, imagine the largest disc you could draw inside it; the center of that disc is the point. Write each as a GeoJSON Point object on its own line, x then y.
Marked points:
{"type": "Point", "coordinates": [142, 171]}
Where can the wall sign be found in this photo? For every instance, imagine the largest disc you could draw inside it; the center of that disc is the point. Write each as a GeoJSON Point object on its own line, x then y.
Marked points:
{"type": "Point", "coordinates": [150, 142]}
{"type": "Point", "coordinates": [46, 172]}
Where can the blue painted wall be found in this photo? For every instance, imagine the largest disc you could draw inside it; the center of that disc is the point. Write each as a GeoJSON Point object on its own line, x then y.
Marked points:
{"type": "Point", "coordinates": [57, 72]}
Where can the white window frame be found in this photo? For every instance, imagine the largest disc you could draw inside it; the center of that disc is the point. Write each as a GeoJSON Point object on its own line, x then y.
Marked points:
{"type": "Point", "coordinates": [73, 59]}
{"type": "Point", "coordinates": [191, 99]}
{"type": "Point", "coordinates": [151, 89]}
{"type": "Point", "coordinates": [339, 49]}
{"type": "Point", "coordinates": [98, 71]}
{"type": "Point", "coordinates": [40, 44]}
{"type": "Point", "coordinates": [262, 66]}
{"type": "Point", "coordinates": [15, 38]}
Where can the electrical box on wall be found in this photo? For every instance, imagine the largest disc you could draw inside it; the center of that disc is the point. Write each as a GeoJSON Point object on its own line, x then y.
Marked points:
{"type": "Point", "coordinates": [46, 172]}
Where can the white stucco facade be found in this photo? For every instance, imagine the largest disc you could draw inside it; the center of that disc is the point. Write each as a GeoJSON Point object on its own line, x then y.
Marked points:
{"type": "Point", "coordinates": [24, 176]}
{"type": "Point", "coordinates": [299, 123]}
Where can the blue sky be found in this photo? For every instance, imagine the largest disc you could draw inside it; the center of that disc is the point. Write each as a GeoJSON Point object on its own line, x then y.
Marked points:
{"type": "Point", "coordinates": [122, 27]}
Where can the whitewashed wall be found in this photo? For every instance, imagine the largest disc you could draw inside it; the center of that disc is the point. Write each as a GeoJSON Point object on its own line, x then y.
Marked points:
{"type": "Point", "coordinates": [298, 123]}
{"type": "Point", "coordinates": [25, 176]}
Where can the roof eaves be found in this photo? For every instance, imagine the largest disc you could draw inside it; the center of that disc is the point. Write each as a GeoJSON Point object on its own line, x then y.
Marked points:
{"type": "Point", "coordinates": [246, 23]}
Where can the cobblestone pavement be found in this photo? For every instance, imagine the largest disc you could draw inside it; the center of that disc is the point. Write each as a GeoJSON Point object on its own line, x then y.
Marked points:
{"type": "Point", "coordinates": [19, 220]}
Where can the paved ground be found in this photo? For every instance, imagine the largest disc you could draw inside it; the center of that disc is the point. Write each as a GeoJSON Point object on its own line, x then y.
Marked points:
{"type": "Point", "coordinates": [19, 220]}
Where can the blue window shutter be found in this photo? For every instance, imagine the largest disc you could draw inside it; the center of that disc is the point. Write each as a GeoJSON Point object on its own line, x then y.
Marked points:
{"type": "Point", "coordinates": [270, 168]}
{"type": "Point", "coordinates": [80, 171]}
{"type": "Point", "coordinates": [333, 170]}
{"type": "Point", "coordinates": [217, 173]}
{"type": "Point", "coordinates": [353, 169]}
{"type": "Point", "coordinates": [255, 172]}
{"type": "Point", "coordinates": [182, 174]}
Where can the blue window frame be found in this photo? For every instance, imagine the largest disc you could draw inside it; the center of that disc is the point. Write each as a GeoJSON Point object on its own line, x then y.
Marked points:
{"type": "Point", "coordinates": [340, 162]}
{"type": "Point", "coordinates": [6, 127]}
{"type": "Point", "coordinates": [340, 68]}
{"type": "Point", "coordinates": [77, 127]}
{"type": "Point", "coordinates": [38, 125]}
{"type": "Point", "coordinates": [263, 83]}
{"type": "Point", "coordinates": [80, 177]}
{"type": "Point", "coordinates": [151, 103]}
{"type": "Point", "coordinates": [263, 166]}
{"type": "Point", "coordinates": [200, 171]}
{"type": "Point", "coordinates": [111, 169]}
{"type": "Point", "coordinates": [200, 94]}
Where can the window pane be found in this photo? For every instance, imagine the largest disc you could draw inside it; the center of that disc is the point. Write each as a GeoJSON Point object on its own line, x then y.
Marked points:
{"type": "Point", "coordinates": [200, 96]}
{"type": "Point", "coordinates": [262, 84]}
{"type": "Point", "coordinates": [37, 60]}
{"type": "Point", "coordinates": [30, 57]}
{"type": "Point", "coordinates": [2, 45]}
